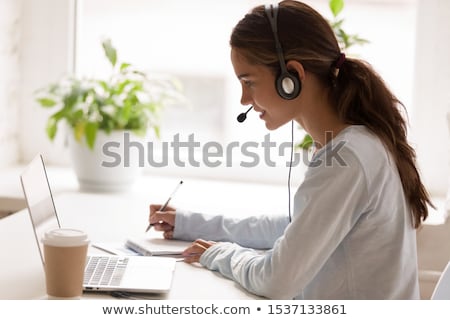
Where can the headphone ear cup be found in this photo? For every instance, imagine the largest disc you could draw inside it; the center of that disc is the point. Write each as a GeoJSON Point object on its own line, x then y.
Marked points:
{"type": "Point", "coordinates": [288, 86]}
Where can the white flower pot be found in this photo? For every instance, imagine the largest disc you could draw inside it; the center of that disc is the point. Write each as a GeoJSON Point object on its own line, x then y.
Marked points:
{"type": "Point", "coordinates": [111, 166]}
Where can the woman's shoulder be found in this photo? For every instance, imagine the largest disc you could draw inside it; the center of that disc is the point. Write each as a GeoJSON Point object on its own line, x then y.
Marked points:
{"type": "Point", "coordinates": [361, 144]}
{"type": "Point", "coordinates": [354, 148]}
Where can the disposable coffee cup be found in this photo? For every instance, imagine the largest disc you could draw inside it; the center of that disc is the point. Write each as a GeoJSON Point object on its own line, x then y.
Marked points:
{"type": "Point", "coordinates": [65, 253]}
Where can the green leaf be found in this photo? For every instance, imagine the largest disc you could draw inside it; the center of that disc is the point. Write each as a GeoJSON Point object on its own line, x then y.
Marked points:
{"type": "Point", "coordinates": [337, 24]}
{"type": "Point", "coordinates": [110, 51]}
{"type": "Point", "coordinates": [78, 131]}
{"type": "Point", "coordinates": [76, 116]}
{"type": "Point", "coordinates": [336, 6]}
{"type": "Point", "coordinates": [51, 128]}
{"type": "Point", "coordinates": [71, 99]}
{"type": "Point", "coordinates": [357, 40]}
{"type": "Point", "coordinates": [46, 102]}
{"type": "Point", "coordinates": [121, 86]}
{"type": "Point", "coordinates": [104, 85]}
{"type": "Point", "coordinates": [124, 114]}
{"type": "Point", "coordinates": [306, 143]}
{"type": "Point", "coordinates": [124, 66]}
{"type": "Point", "coordinates": [153, 107]}
{"type": "Point", "coordinates": [91, 133]}
{"type": "Point", "coordinates": [157, 131]}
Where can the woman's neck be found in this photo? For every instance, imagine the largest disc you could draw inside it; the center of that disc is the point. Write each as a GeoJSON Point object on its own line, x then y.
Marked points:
{"type": "Point", "coordinates": [321, 121]}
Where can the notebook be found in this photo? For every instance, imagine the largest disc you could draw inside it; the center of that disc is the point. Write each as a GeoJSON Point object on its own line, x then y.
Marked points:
{"type": "Point", "coordinates": [153, 247]}
{"type": "Point", "coordinates": [102, 272]}
{"type": "Point", "coordinates": [143, 246]}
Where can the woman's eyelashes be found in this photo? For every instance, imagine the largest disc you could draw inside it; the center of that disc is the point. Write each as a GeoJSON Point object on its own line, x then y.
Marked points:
{"type": "Point", "coordinates": [247, 83]}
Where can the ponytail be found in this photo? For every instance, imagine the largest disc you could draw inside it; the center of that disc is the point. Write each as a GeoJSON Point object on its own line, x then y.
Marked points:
{"type": "Point", "coordinates": [361, 97]}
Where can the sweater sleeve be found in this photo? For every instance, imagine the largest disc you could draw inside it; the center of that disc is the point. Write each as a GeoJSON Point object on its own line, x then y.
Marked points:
{"type": "Point", "coordinates": [253, 232]}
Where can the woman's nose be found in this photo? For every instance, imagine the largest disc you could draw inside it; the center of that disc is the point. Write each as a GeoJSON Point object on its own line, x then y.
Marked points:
{"type": "Point", "coordinates": [246, 98]}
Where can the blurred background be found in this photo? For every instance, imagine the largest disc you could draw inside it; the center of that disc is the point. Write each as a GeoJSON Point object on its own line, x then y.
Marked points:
{"type": "Point", "coordinates": [43, 40]}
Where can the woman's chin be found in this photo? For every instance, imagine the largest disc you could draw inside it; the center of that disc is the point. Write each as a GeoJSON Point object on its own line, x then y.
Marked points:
{"type": "Point", "coordinates": [270, 126]}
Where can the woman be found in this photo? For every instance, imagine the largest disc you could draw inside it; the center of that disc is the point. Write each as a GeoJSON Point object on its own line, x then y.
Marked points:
{"type": "Point", "coordinates": [352, 234]}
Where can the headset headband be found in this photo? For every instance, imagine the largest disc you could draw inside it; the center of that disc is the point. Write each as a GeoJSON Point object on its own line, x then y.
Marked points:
{"type": "Point", "coordinates": [272, 15]}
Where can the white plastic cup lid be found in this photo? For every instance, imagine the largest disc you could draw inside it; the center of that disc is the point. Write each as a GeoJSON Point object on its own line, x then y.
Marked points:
{"type": "Point", "coordinates": [65, 238]}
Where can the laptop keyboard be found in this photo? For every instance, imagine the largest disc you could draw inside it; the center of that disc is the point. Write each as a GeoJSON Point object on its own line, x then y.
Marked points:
{"type": "Point", "coordinates": [104, 270]}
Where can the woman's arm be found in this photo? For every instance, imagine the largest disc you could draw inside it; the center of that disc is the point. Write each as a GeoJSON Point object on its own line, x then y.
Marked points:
{"type": "Point", "coordinates": [253, 232]}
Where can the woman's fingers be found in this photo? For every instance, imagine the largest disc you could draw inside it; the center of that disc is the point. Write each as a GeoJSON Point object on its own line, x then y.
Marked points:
{"type": "Point", "coordinates": [205, 243]}
{"type": "Point", "coordinates": [168, 234]}
{"type": "Point", "coordinates": [163, 226]}
{"type": "Point", "coordinates": [162, 220]}
{"type": "Point", "coordinates": [195, 251]}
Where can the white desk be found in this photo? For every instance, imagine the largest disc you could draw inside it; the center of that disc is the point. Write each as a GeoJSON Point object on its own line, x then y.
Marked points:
{"type": "Point", "coordinates": [113, 217]}
{"type": "Point", "coordinates": [22, 275]}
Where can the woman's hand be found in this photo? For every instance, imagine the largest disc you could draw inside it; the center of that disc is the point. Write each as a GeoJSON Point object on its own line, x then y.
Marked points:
{"type": "Point", "coordinates": [195, 251]}
{"type": "Point", "coordinates": [163, 221]}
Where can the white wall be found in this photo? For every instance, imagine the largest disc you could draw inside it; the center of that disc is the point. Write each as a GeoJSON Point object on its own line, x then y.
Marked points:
{"type": "Point", "coordinates": [432, 93]}
{"type": "Point", "coordinates": [47, 46]}
{"type": "Point", "coordinates": [10, 20]}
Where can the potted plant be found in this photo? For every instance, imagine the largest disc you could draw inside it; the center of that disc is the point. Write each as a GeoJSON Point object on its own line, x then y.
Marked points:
{"type": "Point", "coordinates": [122, 107]}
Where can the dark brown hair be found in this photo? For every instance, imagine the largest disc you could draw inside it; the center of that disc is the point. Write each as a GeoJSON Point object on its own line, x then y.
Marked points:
{"type": "Point", "coordinates": [358, 93]}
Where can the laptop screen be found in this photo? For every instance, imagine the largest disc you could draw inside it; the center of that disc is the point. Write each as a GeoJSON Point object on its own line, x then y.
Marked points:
{"type": "Point", "coordinates": [39, 200]}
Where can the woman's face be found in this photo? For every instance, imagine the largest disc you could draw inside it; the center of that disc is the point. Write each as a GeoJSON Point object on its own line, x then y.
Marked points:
{"type": "Point", "coordinates": [258, 90]}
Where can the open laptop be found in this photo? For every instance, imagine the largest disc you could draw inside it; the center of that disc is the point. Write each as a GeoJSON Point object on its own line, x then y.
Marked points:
{"type": "Point", "coordinates": [102, 272]}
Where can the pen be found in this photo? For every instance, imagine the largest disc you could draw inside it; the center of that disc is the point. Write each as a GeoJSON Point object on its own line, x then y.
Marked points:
{"type": "Point", "coordinates": [165, 204]}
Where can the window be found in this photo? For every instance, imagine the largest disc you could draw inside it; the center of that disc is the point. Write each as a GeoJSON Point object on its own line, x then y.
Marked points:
{"type": "Point", "coordinates": [189, 39]}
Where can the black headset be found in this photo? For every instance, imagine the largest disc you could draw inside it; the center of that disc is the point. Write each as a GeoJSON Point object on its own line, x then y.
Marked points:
{"type": "Point", "coordinates": [288, 84]}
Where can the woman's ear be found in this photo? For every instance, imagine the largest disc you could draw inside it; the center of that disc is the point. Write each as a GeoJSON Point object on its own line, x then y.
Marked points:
{"type": "Point", "coordinates": [296, 67]}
